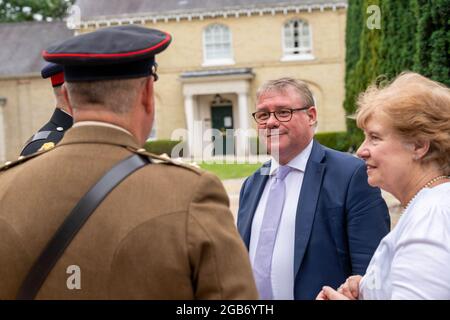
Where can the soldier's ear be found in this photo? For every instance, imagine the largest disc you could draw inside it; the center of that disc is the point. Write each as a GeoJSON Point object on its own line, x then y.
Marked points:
{"type": "Point", "coordinates": [66, 98]}
{"type": "Point", "coordinates": [147, 95]}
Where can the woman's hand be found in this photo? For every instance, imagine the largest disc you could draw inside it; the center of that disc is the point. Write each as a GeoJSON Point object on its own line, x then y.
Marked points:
{"type": "Point", "coordinates": [329, 293]}
{"type": "Point", "coordinates": [350, 288]}
{"type": "Point", "coordinates": [347, 291]}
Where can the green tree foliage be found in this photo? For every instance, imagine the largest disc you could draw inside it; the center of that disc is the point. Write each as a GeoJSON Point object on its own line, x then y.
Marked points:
{"type": "Point", "coordinates": [414, 35]}
{"type": "Point", "coordinates": [432, 57]}
{"type": "Point", "coordinates": [424, 31]}
{"type": "Point", "coordinates": [354, 27]}
{"type": "Point", "coordinates": [355, 22]}
{"type": "Point", "coordinates": [361, 71]}
{"type": "Point", "coordinates": [397, 43]}
{"type": "Point", "coordinates": [29, 10]}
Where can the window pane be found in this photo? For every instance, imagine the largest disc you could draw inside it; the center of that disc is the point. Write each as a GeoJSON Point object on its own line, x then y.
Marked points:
{"type": "Point", "coordinates": [289, 43]}
{"type": "Point", "coordinates": [227, 50]}
{"type": "Point", "coordinates": [217, 42]}
{"type": "Point", "coordinates": [305, 30]}
{"type": "Point", "coordinates": [287, 33]}
{"type": "Point", "coordinates": [306, 43]}
{"type": "Point", "coordinates": [297, 37]}
{"type": "Point", "coordinates": [288, 36]}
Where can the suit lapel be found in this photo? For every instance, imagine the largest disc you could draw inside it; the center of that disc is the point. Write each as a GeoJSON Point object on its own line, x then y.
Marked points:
{"type": "Point", "coordinates": [250, 205]}
{"type": "Point", "coordinates": [307, 203]}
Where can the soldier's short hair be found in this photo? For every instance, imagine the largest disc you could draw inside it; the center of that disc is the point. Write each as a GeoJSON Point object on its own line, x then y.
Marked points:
{"type": "Point", "coordinates": [116, 96]}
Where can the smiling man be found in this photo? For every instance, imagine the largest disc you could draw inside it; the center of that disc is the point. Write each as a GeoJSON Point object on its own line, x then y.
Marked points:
{"type": "Point", "coordinates": [308, 216]}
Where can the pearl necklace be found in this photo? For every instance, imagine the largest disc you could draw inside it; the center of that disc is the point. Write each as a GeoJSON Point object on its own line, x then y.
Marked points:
{"type": "Point", "coordinates": [427, 185]}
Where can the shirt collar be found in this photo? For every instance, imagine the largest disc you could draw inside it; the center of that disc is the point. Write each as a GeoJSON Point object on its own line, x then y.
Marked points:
{"type": "Point", "coordinates": [100, 123]}
{"type": "Point", "coordinates": [298, 163]}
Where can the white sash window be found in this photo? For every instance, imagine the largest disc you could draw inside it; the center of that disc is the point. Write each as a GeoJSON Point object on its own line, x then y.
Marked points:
{"type": "Point", "coordinates": [297, 40]}
{"type": "Point", "coordinates": [217, 48]}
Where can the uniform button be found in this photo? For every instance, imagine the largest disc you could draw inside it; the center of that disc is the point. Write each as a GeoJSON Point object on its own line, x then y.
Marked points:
{"type": "Point", "coordinates": [60, 129]}
{"type": "Point", "coordinates": [21, 157]}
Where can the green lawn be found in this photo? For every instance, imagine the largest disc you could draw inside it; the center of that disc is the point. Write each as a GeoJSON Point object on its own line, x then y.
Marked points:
{"type": "Point", "coordinates": [230, 171]}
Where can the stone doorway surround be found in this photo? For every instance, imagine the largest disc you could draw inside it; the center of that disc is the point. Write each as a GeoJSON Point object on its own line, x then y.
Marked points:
{"type": "Point", "coordinates": [200, 88]}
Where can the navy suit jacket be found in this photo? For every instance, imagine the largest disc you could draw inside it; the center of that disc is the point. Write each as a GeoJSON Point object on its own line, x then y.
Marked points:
{"type": "Point", "coordinates": [339, 223]}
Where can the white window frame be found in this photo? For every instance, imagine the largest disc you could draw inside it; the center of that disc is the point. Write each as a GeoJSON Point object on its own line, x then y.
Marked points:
{"type": "Point", "coordinates": [217, 61]}
{"type": "Point", "coordinates": [288, 54]}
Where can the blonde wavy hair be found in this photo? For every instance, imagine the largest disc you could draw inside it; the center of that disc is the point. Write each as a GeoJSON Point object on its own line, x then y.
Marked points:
{"type": "Point", "coordinates": [418, 109]}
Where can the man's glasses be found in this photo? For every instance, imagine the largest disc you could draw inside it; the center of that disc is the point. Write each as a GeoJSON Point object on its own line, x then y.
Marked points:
{"type": "Point", "coordinates": [282, 115]}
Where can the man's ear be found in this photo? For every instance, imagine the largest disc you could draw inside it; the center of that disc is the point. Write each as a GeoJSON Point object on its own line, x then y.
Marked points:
{"type": "Point", "coordinates": [147, 95]}
{"type": "Point", "coordinates": [312, 114]}
{"type": "Point", "coordinates": [66, 98]}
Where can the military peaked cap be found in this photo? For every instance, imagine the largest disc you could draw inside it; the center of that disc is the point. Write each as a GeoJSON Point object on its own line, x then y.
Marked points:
{"type": "Point", "coordinates": [110, 53]}
{"type": "Point", "coordinates": [55, 72]}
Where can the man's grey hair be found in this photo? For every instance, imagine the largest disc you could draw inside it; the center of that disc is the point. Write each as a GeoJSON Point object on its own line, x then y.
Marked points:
{"type": "Point", "coordinates": [282, 84]}
{"type": "Point", "coordinates": [116, 96]}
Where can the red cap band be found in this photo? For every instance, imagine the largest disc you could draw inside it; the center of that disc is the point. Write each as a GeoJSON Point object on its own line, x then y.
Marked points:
{"type": "Point", "coordinates": [57, 79]}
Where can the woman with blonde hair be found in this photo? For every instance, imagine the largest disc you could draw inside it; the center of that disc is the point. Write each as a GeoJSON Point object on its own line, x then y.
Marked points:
{"type": "Point", "coordinates": [407, 153]}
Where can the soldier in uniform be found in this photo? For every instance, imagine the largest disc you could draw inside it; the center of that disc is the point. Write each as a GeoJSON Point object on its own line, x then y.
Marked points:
{"type": "Point", "coordinates": [164, 231]}
{"type": "Point", "coordinates": [53, 131]}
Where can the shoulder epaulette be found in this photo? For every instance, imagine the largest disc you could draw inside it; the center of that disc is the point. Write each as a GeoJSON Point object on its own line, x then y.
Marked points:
{"type": "Point", "coordinates": [164, 158]}
{"type": "Point", "coordinates": [9, 164]}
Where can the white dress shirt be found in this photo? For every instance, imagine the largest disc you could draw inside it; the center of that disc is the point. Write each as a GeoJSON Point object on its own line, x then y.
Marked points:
{"type": "Point", "coordinates": [413, 260]}
{"type": "Point", "coordinates": [283, 256]}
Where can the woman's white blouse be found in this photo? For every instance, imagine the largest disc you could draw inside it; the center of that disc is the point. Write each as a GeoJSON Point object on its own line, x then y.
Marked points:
{"type": "Point", "coordinates": [413, 260]}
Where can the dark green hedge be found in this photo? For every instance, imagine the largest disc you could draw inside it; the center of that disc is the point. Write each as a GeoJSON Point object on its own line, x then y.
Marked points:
{"type": "Point", "coordinates": [162, 146]}
{"type": "Point", "coordinates": [335, 140]}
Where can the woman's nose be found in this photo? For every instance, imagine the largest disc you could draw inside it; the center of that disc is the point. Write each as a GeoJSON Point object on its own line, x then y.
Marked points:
{"type": "Point", "coordinates": [362, 151]}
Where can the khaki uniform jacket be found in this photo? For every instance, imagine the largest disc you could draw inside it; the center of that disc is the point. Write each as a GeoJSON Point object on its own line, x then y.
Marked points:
{"type": "Point", "coordinates": [165, 232]}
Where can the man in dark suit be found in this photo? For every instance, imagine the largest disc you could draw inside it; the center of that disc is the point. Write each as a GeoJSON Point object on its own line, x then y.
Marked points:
{"type": "Point", "coordinates": [53, 131]}
{"type": "Point", "coordinates": [308, 216]}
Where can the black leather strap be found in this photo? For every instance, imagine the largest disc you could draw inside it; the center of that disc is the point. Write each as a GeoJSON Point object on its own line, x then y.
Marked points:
{"type": "Point", "coordinates": [73, 223]}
